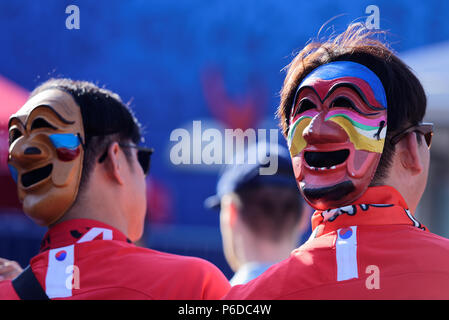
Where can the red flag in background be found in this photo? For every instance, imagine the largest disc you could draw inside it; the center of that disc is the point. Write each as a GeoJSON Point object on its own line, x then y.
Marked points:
{"type": "Point", "coordinates": [12, 97]}
{"type": "Point", "coordinates": [242, 111]}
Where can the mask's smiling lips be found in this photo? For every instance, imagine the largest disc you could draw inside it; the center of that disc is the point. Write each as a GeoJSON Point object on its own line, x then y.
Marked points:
{"type": "Point", "coordinates": [326, 160]}
{"type": "Point", "coordinates": [34, 176]}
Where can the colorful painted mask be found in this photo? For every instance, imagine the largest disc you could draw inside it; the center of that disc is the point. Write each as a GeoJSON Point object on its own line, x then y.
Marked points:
{"type": "Point", "coordinates": [337, 133]}
{"type": "Point", "coordinates": [46, 154]}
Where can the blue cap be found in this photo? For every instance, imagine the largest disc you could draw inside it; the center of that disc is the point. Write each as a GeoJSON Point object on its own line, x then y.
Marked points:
{"type": "Point", "coordinates": [235, 177]}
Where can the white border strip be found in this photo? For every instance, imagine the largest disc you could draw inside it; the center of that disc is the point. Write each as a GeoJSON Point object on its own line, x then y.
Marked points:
{"type": "Point", "coordinates": [346, 254]}
{"type": "Point", "coordinates": [59, 273]}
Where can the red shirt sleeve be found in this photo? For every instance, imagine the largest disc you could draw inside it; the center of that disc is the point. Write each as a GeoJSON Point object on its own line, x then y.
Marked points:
{"type": "Point", "coordinates": [215, 283]}
{"type": "Point", "coordinates": [7, 291]}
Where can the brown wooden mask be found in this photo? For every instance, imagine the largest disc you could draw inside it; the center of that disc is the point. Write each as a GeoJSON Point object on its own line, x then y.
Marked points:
{"type": "Point", "coordinates": [46, 154]}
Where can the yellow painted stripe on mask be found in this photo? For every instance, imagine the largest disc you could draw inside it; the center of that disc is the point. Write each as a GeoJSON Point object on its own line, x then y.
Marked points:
{"type": "Point", "coordinates": [359, 140]}
{"type": "Point", "coordinates": [297, 141]}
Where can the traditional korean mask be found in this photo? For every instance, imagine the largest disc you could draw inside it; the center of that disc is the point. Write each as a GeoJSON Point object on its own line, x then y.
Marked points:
{"type": "Point", "coordinates": [46, 154]}
{"type": "Point", "coordinates": [337, 132]}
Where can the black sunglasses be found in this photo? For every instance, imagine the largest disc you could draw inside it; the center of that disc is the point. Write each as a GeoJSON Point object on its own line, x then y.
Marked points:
{"type": "Point", "coordinates": [426, 129]}
{"type": "Point", "coordinates": [143, 156]}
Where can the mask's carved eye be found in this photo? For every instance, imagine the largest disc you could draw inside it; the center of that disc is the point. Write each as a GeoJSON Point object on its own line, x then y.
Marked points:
{"type": "Point", "coordinates": [14, 134]}
{"type": "Point", "coordinates": [343, 102]}
{"type": "Point", "coordinates": [304, 105]}
{"type": "Point", "coordinates": [41, 123]}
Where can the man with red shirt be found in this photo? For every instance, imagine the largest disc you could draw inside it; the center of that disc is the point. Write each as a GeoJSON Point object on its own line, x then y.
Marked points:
{"type": "Point", "coordinates": [74, 156]}
{"type": "Point", "coordinates": [352, 115]}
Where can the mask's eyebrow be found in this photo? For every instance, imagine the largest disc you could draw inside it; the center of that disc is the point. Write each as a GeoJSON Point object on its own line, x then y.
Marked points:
{"type": "Point", "coordinates": [60, 117]}
{"type": "Point", "coordinates": [298, 92]}
{"type": "Point", "coordinates": [17, 119]}
{"type": "Point", "coordinates": [358, 91]}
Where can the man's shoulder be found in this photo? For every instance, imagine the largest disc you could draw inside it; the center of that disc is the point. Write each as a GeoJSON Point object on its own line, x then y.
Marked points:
{"type": "Point", "coordinates": [433, 239]}
{"type": "Point", "coordinates": [166, 262]}
{"type": "Point", "coordinates": [429, 247]}
{"type": "Point", "coordinates": [187, 263]}
{"type": "Point", "coordinates": [116, 255]}
{"type": "Point", "coordinates": [308, 266]}
{"type": "Point", "coordinates": [185, 277]}
{"type": "Point", "coordinates": [415, 241]}
{"type": "Point", "coordinates": [121, 255]}
{"type": "Point", "coordinates": [118, 266]}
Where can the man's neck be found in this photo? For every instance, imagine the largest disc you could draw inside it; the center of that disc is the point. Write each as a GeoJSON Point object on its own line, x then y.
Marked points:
{"type": "Point", "coordinates": [256, 249]}
{"type": "Point", "coordinates": [96, 210]}
{"type": "Point", "coordinates": [406, 190]}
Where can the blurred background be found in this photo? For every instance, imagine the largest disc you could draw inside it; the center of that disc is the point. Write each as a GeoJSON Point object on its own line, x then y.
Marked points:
{"type": "Point", "coordinates": [218, 62]}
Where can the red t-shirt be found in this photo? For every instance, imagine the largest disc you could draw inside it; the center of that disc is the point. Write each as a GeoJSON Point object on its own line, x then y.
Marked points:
{"type": "Point", "coordinates": [374, 249]}
{"type": "Point", "coordinates": [86, 259]}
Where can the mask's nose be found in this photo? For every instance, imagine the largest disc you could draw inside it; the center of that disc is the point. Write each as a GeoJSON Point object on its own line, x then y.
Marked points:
{"type": "Point", "coordinates": [320, 131]}
{"type": "Point", "coordinates": [28, 153]}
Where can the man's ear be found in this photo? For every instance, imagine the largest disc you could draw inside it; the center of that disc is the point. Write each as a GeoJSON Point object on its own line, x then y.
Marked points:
{"type": "Point", "coordinates": [233, 213]}
{"type": "Point", "coordinates": [230, 208]}
{"type": "Point", "coordinates": [410, 157]}
{"type": "Point", "coordinates": [114, 163]}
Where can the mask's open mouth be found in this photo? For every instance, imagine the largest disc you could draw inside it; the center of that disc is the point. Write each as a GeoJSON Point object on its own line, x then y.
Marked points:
{"type": "Point", "coordinates": [325, 160]}
{"type": "Point", "coordinates": [34, 176]}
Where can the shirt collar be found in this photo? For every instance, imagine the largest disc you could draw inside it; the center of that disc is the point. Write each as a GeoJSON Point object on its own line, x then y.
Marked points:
{"type": "Point", "coordinates": [71, 231]}
{"type": "Point", "coordinates": [381, 205]}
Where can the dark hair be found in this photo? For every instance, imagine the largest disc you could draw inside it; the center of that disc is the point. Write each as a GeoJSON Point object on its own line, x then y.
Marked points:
{"type": "Point", "coordinates": [105, 118]}
{"type": "Point", "coordinates": [266, 214]}
{"type": "Point", "coordinates": [406, 98]}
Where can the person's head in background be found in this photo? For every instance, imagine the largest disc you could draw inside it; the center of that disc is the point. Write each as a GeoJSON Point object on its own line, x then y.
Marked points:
{"type": "Point", "coordinates": [332, 71]}
{"type": "Point", "coordinates": [73, 155]}
{"type": "Point", "coordinates": [262, 217]}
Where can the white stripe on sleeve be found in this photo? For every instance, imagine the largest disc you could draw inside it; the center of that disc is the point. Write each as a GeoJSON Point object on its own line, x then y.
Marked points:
{"type": "Point", "coordinates": [346, 253]}
{"type": "Point", "coordinates": [58, 280]}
